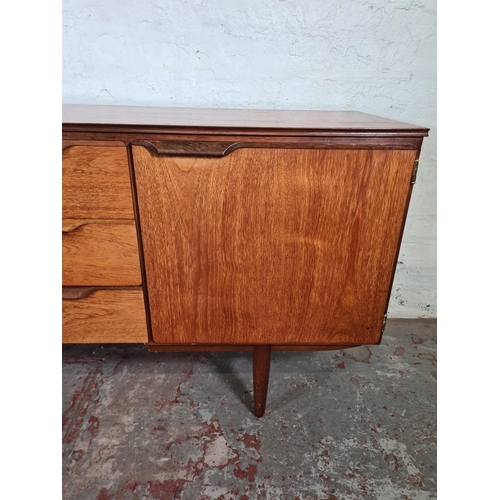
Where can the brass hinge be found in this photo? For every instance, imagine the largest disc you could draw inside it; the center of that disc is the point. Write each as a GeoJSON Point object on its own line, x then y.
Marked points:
{"type": "Point", "coordinates": [414, 174]}
{"type": "Point", "coordinates": [384, 322]}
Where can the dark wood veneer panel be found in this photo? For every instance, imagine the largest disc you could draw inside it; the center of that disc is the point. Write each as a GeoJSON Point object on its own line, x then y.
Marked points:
{"type": "Point", "coordinates": [251, 121]}
{"type": "Point", "coordinates": [242, 347]}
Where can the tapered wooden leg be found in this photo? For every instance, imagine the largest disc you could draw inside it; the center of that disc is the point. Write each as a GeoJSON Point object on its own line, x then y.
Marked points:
{"type": "Point", "coordinates": [261, 365]}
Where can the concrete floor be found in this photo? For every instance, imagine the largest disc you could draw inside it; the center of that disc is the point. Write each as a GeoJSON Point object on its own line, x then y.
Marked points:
{"type": "Point", "coordinates": [353, 424]}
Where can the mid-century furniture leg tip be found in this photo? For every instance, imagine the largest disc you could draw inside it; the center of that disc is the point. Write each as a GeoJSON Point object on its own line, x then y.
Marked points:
{"type": "Point", "coordinates": [261, 366]}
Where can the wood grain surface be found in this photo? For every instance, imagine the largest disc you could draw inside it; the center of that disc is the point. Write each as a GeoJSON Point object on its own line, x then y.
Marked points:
{"type": "Point", "coordinates": [163, 142]}
{"type": "Point", "coordinates": [242, 347]}
{"type": "Point", "coordinates": [100, 253]}
{"type": "Point", "coordinates": [254, 121]}
{"type": "Point", "coordinates": [80, 292]}
{"type": "Point", "coordinates": [105, 316]}
{"type": "Point", "coordinates": [96, 183]}
{"type": "Point", "coordinates": [95, 143]}
{"type": "Point", "coordinates": [271, 246]}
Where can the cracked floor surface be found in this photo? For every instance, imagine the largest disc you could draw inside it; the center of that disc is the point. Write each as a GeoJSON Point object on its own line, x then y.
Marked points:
{"type": "Point", "coordinates": [352, 424]}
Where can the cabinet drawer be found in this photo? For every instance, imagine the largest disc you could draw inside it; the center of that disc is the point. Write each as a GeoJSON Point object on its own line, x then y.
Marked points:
{"type": "Point", "coordinates": [104, 316]}
{"type": "Point", "coordinates": [96, 183]}
{"type": "Point", "coordinates": [100, 253]}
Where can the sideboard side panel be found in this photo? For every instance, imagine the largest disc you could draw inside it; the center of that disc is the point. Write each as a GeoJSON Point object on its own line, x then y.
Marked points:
{"type": "Point", "coordinates": [271, 246]}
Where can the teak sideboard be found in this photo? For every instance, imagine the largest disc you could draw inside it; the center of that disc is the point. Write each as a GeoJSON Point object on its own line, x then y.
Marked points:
{"type": "Point", "coordinates": [199, 229]}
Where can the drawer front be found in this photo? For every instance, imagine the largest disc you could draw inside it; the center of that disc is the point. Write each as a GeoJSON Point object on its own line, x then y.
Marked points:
{"type": "Point", "coordinates": [100, 253]}
{"type": "Point", "coordinates": [96, 183]}
{"type": "Point", "coordinates": [105, 316]}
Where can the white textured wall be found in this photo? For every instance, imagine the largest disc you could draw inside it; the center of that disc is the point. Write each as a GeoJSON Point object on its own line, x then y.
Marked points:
{"type": "Point", "coordinates": [373, 56]}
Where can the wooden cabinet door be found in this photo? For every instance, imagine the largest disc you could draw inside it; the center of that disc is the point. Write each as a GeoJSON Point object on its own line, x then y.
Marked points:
{"type": "Point", "coordinates": [272, 246]}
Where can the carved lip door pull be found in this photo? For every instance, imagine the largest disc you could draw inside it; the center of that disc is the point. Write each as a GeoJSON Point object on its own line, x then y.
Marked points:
{"type": "Point", "coordinates": [70, 225]}
{"type": "Point", "coordinates": [77, 292]}
{"type": "Point", "coordinates": [213, 149]}
{"type": "Point", "coordinates": [81, 292]}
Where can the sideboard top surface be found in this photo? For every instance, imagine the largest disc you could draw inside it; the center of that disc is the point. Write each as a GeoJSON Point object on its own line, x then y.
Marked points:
{"type": "Point", "coordinates": [255, 121]}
